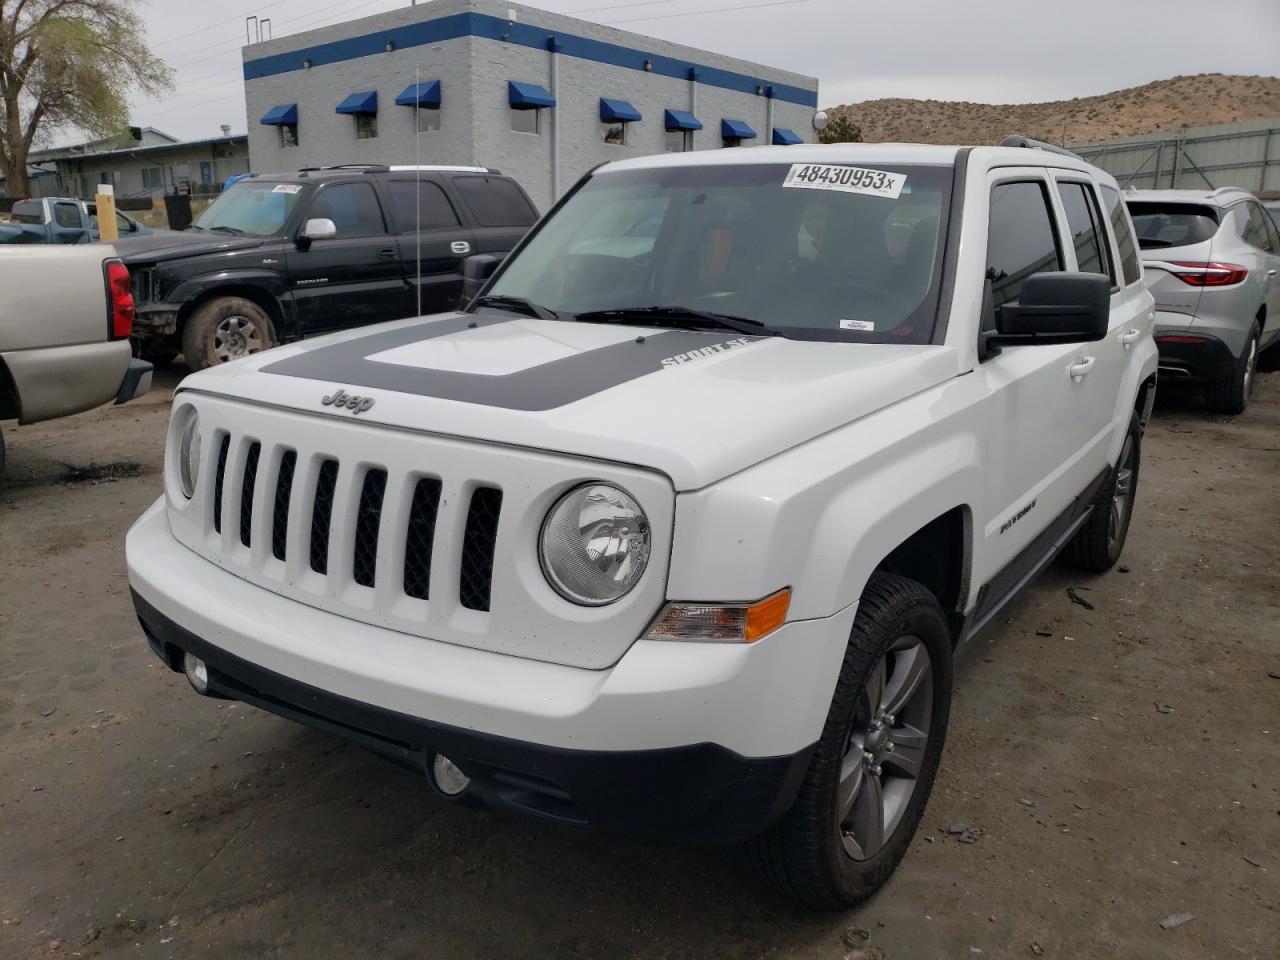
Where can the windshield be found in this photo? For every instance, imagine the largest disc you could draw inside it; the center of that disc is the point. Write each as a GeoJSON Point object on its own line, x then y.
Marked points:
{"type": "Point", "coordinates": [1172, 224]}
{"type": "Point", "coordinates": [813, 259]}
{"type": "Point", "coordinates": [251, 208]}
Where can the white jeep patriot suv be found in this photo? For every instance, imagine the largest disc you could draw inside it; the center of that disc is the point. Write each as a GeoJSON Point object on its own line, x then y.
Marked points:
{"type": "Point", "coordinates": [677, 527]}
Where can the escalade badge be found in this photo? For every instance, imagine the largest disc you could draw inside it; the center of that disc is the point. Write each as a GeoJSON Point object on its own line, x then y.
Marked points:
{"type": "Point", "coordinates": [340, 398]}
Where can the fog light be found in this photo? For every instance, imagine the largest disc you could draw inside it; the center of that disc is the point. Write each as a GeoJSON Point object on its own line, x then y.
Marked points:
{"type": "Point", "coordinates": [450, 780]}
{"type": "Point", "coordinates": [196, 672]}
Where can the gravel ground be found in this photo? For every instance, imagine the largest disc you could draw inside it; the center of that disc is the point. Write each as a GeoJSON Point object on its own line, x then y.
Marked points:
{"type": "Point", "coordinates": [1106, 769]}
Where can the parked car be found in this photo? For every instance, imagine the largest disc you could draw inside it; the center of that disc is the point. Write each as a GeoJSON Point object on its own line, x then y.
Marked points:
{"type": "Point", "coordinates": [680, 537]}
{"type": "Point", "coordinates": [64, 342]}
{"type": "Point", "coordinates": [62, 220]}
{"type": "Point", "coordinates": [1211, 259]}
{"type": "Point", "coordinates": [280, 257]}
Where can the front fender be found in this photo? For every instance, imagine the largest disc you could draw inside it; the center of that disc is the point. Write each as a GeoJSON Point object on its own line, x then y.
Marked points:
{"type": "Point", "coordinates": [194, 288]}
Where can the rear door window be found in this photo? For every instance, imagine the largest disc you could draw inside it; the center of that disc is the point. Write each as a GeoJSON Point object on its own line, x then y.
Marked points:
{"type": "Point", "coordinates": [1083, 219]}
{"type": "Point", "coordinates": [1120, 226]}
{"type": "Point", "coordinates": [1021, 239]}
{"type": "Point", "coordinates": [1172, 224]}
{"type": "Point", "coordinates": [495, 202]}
{"type": "Point", "coordinates": [435, 212]}
{"type": "Point", "coordinates": [66, 214]}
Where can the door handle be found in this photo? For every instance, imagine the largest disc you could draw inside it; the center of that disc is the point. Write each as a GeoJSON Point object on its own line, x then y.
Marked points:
{"type": "Point", "coordinates": [1129, 337]}
{"type": "Point", "coordinates": [387, 253]}
{"type": "Point", "coordinates": [460, 247]}
{"type": "Point", "coordinates": [1081, 370]}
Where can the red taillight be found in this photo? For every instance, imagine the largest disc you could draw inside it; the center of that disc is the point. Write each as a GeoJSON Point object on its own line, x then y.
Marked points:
{"type": "Point", "coordinates": [1177, 339]}
{"type": "Point", "coordinates": [120, 300]}
{"type": "Point", "coordinates": [1201, 274]}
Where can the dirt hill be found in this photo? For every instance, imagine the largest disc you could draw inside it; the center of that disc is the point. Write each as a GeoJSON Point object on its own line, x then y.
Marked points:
{"type": "Point", "coordinates": [1164, 105]}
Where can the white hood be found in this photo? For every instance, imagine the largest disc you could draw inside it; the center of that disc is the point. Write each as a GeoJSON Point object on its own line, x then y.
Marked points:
{"type": "Point", "coordinates": [694, 405]}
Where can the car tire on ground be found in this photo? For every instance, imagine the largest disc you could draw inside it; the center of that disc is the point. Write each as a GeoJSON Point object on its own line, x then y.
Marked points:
{"type": "Point", "coordinates": [1230, 395]}
{"type": "Point", "coordinates": [223, 329]}
{"type": "Point", "coordinates": [1097, 545]}
{"type": "Point", "coordinates": [1, 452]}
{"type": "Point", "coordinates": [873, 768]}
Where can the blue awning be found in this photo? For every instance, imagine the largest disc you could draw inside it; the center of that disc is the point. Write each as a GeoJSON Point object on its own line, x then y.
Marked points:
{"type": "Point", "coordinates": [736, 130]}
{"type": "Point", "coordinates": [420, 95]}
{"type": "Point", "coordinates": [679, 120]}
{"type": "Point", "coordinates": [277, 116]}
{"type": "Point", "coordinates": [618, 111]}
{"type": "Point", "coordinates": [360, 103]}
{"type": "Point", "coordinates": [528, 96]}
{"type": "Point", "coordinates": [782, 137]}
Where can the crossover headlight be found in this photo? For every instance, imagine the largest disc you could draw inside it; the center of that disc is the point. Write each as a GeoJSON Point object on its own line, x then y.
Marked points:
{"type": "Point", "coordinates": [595, 544]}
{"type": "Point", "coordinates": [188, 452]}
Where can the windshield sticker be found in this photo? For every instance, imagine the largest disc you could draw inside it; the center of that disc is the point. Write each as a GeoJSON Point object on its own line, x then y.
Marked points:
{"type": "Point", "coordinates": [865, 326]}
{"type": "Point", "coordinates": [826, 176]}
{"type": "Point", "coordinates": [287, 188]}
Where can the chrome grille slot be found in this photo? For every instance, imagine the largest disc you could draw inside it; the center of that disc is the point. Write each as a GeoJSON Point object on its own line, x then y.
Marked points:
{"type": "Point", "coordinates": [364, 559]}
{"type": "Point", "coordinates": [280, 513]}
{"type": "Point", "coordinates": [479, 541]}
{"type": "Point", "coordinates": [420, 537]}
{"type": "Point", "coordinates": [246, 492]}
{"type": "Point", "coordinates": [322, 515]}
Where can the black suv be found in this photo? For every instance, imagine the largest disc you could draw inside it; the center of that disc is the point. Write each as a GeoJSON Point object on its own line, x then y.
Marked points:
{"type": "Point", "coordinates": [284, 256]}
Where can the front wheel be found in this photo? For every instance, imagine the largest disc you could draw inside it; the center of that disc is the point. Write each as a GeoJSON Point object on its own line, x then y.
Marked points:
{"type": "Point", "coordinates": [873, 768]}
{"type": "Point", "coordinates": [224, 329]}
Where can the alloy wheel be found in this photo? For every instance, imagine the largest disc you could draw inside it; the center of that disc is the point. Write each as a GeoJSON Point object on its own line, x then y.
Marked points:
{"type": "Point", "coordinates": [884, 756]}
{"type": "Point", "coordinates": [236, 337]}
{"type": "Point", "coordinates": [1122, 496]}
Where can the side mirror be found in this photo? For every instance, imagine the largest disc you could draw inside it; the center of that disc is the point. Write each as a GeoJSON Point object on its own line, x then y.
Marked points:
{"type": "Point", "coordinates": [476, 271]}
{"type": "Point", "coordinates": [1056, 308]}
{"type": "Point", "coordinates": [319, 228]}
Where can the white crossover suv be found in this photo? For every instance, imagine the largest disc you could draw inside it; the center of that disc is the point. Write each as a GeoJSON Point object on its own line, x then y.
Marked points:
{"type": "Point", "coordinates": [677, 528]}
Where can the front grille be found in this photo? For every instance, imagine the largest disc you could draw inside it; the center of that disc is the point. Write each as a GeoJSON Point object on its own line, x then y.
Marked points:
{"type": "Point", "coordinates": [322, 515]}
{"type": "Point", "coordinates": [364, 560]}
{"type": "Point", "coordinates": [280, 513]}
{"type": "Point", "coordinates": [478, 544]}
{"type": "Point", "coordinates": [246, 492]}
{"type": "Point", "coordinates": [218, 478]}
{"type": "Point", "coordinates": [420, 537]}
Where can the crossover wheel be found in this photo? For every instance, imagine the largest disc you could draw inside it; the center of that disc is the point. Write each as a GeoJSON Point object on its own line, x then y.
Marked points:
{"type": "Point", "coordinates": [1231, 394]}
{"type": "Point", "coordinates": [874, 766]}
{"type": "Point", "coordinates": [1097, 545]}
{"type": "Point", "coordinates": [224, 329]}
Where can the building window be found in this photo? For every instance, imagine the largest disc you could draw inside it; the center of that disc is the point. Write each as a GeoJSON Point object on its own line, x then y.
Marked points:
{"type": "Point", "coordinates": [679, 141]}
{"type": "Point", "coordinates": [526, 121]}
{"type": "Point", "coordinates": [366, 126]}
{"type": "Point", "coordinates": [288, 134]}
{"type": "Point", "coordinates": [152, 178]}
{"type": "Point", "coordinates": [614, 132]}
{"type": "Point", "coordinates": [733, 141]}
{"type": "Point", "coordinates": [428, 119]}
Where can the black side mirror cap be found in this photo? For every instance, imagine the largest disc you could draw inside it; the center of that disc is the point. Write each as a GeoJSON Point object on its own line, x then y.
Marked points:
{"type": "Point", "coordinates": [479, 267]}
{"type": "Point", "coordinates": [1056, 308]}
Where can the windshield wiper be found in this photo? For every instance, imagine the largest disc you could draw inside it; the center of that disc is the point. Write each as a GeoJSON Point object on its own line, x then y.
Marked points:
{"type": "Point", "coordinates": [675, 317]}
{"type": "Point", "coordinates": [517, 305]}
{"type": "Point", "coordinates": [233, 230]}
{"type": "Point", "coordinates": [195, 226]}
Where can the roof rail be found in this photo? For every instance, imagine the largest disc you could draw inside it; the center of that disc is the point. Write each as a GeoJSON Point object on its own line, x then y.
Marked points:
{"type": "Point", "coordinates": [458, 168]}
{"type": "Point", "coordinates": [1018, 140]}
{"type": "Point", "coordinates": [366, 167]}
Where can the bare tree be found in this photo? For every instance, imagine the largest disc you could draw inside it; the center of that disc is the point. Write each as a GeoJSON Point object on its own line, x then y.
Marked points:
{"type": "Point", "coordinates": [68, 63]}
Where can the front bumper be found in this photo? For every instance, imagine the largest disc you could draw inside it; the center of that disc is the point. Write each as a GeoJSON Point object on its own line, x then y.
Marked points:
{"type": "Point", "coordinates": [706, 741]}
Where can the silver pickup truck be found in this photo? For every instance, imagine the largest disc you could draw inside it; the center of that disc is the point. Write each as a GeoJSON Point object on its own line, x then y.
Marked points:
{"type": "Point", "coordinates": [69, 352]}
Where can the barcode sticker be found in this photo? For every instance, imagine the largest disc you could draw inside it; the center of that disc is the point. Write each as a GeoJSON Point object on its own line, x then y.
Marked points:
{"type": "Point", "coordinates": [826, 176]}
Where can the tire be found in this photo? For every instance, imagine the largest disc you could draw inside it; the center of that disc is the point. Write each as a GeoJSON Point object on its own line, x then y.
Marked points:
{"type": "Point", "coordinates": [1230, 395]}
{"type": "Point", "coordinates": [812, 853]}
{"type": "Point", "coordinates": [225, 328]}
{"type": "Point", "coordinates": [159, 358]}
{"type": "Point", "coordinates": [1097, 545]}
{"type": "Point", "coordinates": [1, 454]}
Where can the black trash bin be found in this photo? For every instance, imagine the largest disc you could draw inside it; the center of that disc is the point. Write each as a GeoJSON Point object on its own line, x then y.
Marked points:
{"type": "Point", "coordinates": [177, 207]}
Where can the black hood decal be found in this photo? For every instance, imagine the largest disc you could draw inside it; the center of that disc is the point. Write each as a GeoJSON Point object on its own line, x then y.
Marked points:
{"type": "Point", "coordinates": [543, 387]}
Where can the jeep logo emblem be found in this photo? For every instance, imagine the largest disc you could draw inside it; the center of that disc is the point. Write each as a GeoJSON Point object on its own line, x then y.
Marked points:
{"type": "Point", "coordinates": [340, 398]}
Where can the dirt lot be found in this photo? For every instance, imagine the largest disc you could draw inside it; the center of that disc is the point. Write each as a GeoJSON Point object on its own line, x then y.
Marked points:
{"type": "Point", "coordinates": [1120, 770]}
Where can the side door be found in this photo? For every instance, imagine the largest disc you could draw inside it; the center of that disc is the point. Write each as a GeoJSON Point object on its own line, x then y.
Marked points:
{"type": "Point", "coordinates": [1261, 233]}
{"type": "Point", "coordinates": [500, 212]}
{"type": "Point", "coordinates": [352, 278]}
{"type": "Point", "coordinates": [433, 242]}
{"type": "Point", "coordinates": [1042, 431]}
{"type": "Point", "coordinates": [67, 224]}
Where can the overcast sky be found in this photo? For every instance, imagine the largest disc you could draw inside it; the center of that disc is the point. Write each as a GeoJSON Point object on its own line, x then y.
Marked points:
{"type": "Point", "coordinates": [995, 51]}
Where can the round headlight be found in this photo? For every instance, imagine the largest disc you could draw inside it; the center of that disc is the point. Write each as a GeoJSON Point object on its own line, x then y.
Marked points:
{"type": "Point", "coordinates": [595, 544]}
{"type": "Point", "coordinates": [189, 453]}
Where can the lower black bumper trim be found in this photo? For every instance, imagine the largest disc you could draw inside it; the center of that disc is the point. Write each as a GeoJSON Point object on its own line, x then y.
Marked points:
{"type": "Point", "coordinates": [701, 792]}
{"type": "Point", "coordinates": [1194, 356]}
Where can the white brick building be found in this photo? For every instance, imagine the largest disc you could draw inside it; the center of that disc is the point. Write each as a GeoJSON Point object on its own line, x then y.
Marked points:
{"type": "Point", "coordinates": [540, 96]}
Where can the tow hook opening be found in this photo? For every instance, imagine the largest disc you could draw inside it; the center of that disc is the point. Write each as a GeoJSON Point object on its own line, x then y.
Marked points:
{"type": "Point", "coordinates": [447, 777]}
{"type": "Point", "coordinates": [197, 673]}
